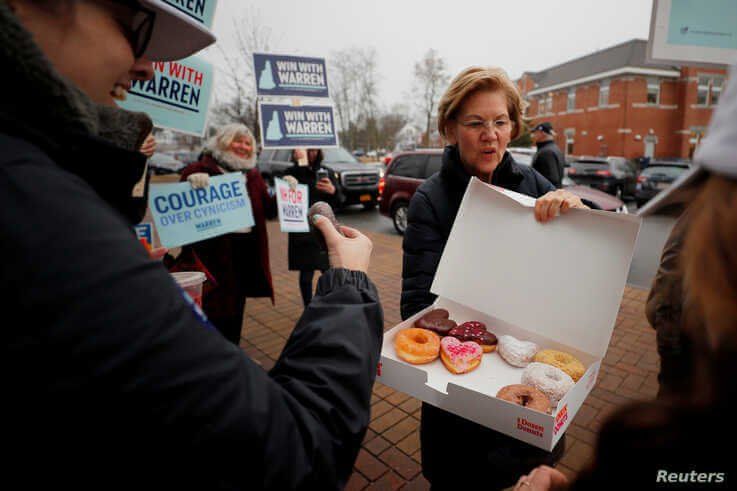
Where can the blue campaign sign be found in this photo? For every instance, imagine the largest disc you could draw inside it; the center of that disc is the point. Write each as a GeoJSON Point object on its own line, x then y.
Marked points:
{"type": "Point", "coordinates": [290, 76]}
{"type": "Point", "coordinates": [287, 126]}
{"type": "Point", "coordinates": [184, 215]}
{"type": "Point", "coordinates": [177, 97]}
{"type": "Point", "coordinates": [200, 10]}
{"type": "Point", "coordinates": [144, 231]}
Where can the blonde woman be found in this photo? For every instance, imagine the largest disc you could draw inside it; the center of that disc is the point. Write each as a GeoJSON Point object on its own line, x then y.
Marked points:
{"type": "Point", "coordinates": [238, 263]}
{"type": "Point", "coordinates": [479, 114]}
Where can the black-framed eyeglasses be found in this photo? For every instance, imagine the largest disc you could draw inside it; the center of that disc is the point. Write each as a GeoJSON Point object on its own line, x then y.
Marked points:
{"type": "Point", "coordinates": [138, 25]}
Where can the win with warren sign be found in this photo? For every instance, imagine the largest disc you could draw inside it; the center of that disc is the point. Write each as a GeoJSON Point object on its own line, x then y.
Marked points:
{"type": "Point", "coordinates": [287, 126]}
{"type": "Point", "coordinates": [290, 76]}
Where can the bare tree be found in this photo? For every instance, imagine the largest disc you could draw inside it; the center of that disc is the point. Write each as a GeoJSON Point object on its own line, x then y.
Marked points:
{"type": "Point", "coordinates": [354, 81]}
{"type": "Point", "coordinates": [430, 79]}
{"type": "Point", "coordinates": [239, 105]}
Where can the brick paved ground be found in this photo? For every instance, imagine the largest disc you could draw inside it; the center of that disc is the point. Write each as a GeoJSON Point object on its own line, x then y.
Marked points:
{"type": "Point", "coordinates": [390, 457]}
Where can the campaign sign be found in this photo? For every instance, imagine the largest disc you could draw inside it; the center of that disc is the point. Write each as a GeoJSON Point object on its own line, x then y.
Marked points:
{"type": "Point", "coordinates": [200, 10]}
{"type": "Point", "coordinates": [184, 215]}
{"type": "Point", "coordinates": [145, 232]}
{"type": "Point", "coordinates": [292, 205]}
{"type": "Point", "coordinates": [290, 76]}
{"type": "Point", "coordinates": [286, 126]}
{"type": "Point", "coordinates": [177, 97]}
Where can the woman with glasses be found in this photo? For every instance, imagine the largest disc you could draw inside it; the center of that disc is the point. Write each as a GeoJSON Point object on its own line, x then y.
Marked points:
{"type": "Point", "coordinates": [111, 377]}
{"type": "Point", "coordinates": [479, 114]}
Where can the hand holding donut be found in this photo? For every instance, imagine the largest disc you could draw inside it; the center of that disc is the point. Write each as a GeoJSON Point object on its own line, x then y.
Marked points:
{"type": "Point", "coordinates": [352, 250]}
{"type": "Point", "coordinates": [542, 478]}
{"type": "Point", "coordinates": [554, 203]}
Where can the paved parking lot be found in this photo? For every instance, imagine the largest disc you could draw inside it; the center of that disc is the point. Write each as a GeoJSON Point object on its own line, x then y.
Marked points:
{"type": "Point", "coordinates": [390, 456]}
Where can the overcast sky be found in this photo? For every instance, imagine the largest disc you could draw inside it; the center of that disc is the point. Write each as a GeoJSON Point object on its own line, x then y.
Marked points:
{"type": "Point", "coordinates": [516, 35]}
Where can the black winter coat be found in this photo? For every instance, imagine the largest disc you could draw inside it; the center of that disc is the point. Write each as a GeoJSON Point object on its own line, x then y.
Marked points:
{"type": "Point", "coordinates": [550, 162]}
{"type": "Point", "coordinates": [111, 379]}
{"type": "Point", "coordinates": [304, 252]}
{"type": "Point", "coordinates": [490, 459]}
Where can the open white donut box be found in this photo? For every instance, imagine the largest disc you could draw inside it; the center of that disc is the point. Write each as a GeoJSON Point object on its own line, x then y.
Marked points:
{"type": "Point", "coordinates": [558, 284]}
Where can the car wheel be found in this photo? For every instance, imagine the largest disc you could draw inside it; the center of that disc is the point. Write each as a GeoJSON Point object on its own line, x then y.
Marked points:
{"type": "Point", "coordinates": [399, 217]}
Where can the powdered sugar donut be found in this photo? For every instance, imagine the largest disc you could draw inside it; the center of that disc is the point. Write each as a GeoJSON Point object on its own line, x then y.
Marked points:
{"type": "Point", "coordinates": [515, 352]}
{"type": "Point", "coordinates": [550, 380]}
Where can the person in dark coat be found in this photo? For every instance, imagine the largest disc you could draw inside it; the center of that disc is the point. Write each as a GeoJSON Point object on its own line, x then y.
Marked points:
{"type": "Point", "coordinates": [478, 115]}
{"type": "Point", "coordinates": [112, 378]}
{"type": "Point", "coordinates": [237, 263]}
{"type": "Point", "coordinates": [304, 252]}
{"type": "Point", "coordinates": [549, 160]}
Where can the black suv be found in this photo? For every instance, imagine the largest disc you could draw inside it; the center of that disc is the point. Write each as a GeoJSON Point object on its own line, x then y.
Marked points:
{"type": "Point", "coordinates": [613, 175]}
{"type": "Point", "coordinates": [358, 182]}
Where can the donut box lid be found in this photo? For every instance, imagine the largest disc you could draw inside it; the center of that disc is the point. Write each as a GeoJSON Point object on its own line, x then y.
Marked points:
{"type": "Point", "coordinates": [563, 279]}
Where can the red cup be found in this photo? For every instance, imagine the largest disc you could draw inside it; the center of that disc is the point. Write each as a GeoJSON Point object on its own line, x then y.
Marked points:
{"type": "Point", "coordinates": [191, 282]}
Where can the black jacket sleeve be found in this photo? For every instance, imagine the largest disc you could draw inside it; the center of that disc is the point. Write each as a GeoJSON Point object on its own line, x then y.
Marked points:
{"type": "Point", "coordinates": [423, 246]}
{"type": "Point", "coordinates": [112, 356]}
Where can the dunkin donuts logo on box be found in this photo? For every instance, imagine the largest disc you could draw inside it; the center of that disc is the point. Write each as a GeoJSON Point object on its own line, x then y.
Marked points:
{"type": "Point", "coordinates": [561, 418]}
{"type": "Point", "coordinates": [532, 428]}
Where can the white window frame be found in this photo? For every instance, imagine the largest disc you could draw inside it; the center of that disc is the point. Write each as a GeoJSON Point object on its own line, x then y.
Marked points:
{"type": "Point", "coordinates": [571, 104]}
{"type": "Point", "coordinates": [653, 84]}
{"type": "Point", "coordinates": [604, 86]}
{"type": "Point", "coordinates": [707, 85]}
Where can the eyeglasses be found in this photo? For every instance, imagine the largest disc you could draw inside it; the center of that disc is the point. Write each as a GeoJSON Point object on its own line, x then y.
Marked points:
{"type": "Point", "coordinates": [137, 23]}
{"type": "Point", "coordinates": [500, 125]}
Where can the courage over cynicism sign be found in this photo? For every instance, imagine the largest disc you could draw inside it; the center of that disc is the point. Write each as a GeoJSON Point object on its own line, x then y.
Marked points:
{"type": "Point", "coordinates": [184, 215]}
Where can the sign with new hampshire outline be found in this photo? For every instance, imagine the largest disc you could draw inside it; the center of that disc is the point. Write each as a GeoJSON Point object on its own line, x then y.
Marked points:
{"type": "Point", "coordinates": [288, 126]}
{"type": "Point", "coordinates": [290, 76]}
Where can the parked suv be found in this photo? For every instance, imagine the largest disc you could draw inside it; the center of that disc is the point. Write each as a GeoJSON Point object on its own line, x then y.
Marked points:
{"type": "Point", "coordinates": [657, 176]}
{"type": "Point", "coordinates": [404, 174]}
{"type": "Point", "coordinates": [358, 182]}
{"type": "Point", "coordinates": [408, 170]}
{"type": "Point", "coordinates": [613, 175]}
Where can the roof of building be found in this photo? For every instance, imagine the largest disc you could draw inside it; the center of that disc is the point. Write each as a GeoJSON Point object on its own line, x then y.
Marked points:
{"type": "Point", "coordinates": [632, 53]}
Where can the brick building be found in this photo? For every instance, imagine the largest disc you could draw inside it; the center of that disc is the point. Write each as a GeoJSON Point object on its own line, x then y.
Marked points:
{"type": "Point", "coordinates": [613, 102]}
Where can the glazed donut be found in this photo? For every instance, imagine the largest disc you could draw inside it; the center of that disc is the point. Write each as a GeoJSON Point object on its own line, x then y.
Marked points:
{"type": "Point", "coordinates": [550, 380]}
{"type": "Point", "coordinates": [526, 396]}
{"type": "Point", "coordinates": [460, 357]}
{"type": "Point", "coordinates": [417, 346]}
{"type": "Point", "coordinates": [515, 352]}
{"type": "Point", "coordinates": [565, 361]}
{"type": "Point", "coordinates": [475, 331]}
{"type": "Point", "coordinates": [436, 321]}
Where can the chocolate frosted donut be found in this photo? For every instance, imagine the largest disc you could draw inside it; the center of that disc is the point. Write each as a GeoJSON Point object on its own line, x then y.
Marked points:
{"type": "Point", "coordinates": [324, 209]}
{"type": "Point", "coordinates": [436, 321]}
{"type": "Point", "coordinates": [475, 331]}
{"type": "Point", "coordinates": [526, 396]}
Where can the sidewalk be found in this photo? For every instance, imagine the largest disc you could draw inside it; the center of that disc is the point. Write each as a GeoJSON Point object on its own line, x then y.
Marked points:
{"type": "Point", "coordinates": [390, 457]}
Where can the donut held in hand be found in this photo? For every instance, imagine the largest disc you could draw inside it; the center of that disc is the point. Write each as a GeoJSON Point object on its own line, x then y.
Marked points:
{"type": "Point", "coordinates": [417, 346]}
{"type": "Point", "coordinates": [459, 357]}
{"type": "Point", "coordinates": [565, 361]}
{"type": "Point", "coordinates": [515, 352]}
{"type": "Point", "coordinates": [525, 395]}
{"type": "Point", "coordinates": [550, 380]}
{"type": "Point", "coordinates": [475, 331]}
{"type": "Point", "coordinates": [324, 209]}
